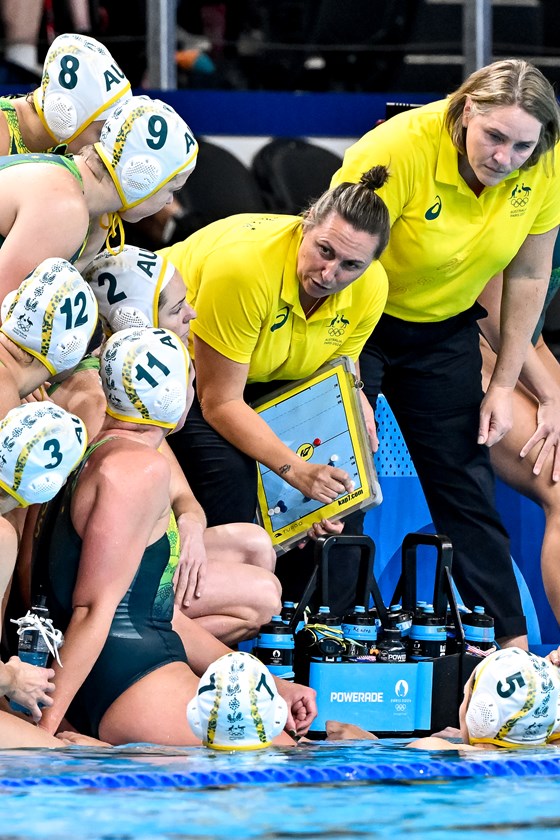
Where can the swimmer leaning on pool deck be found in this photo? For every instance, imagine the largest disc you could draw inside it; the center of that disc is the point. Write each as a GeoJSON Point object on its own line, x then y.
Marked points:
{"type": "Point", "coordinates": [511, 699]}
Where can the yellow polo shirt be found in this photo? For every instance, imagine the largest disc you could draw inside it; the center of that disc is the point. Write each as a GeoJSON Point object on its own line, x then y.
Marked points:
{"type": "Point", "coordinates": [240, 274]}
{"type": "Point", "coordinates": [446, 243]}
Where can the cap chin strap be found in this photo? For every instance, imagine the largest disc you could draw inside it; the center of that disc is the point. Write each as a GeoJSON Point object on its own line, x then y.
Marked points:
{"type": "Point", "coordinates": [114, 228]}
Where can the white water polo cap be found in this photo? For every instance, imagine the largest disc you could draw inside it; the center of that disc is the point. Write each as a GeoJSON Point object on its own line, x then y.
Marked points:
{"type": "Point", "coordinates": [144, 144]}
{"type": "Point", "coordinates": [237, 705]}
{"type": "Point", "coordinates": [81, 83]}
{"type": "Point", "coordinates": [145, 376]}
{"type": "Point", "coordinates": [127, 286]}
{"type": "Point", "coordinates": [514, 700]}
{"type": "Point", "coordinates": [40, 444]}
{"type": "Point", "coordinates": [52, 315]}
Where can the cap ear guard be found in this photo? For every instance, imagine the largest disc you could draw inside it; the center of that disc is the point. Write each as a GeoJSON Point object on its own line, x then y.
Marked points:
{"type": "Point", "coordinates": [140, 176]}
{"type": "Point", "coordinates": [45, 487]}
{"type": "Point", "coordinates": [61, 115]}
{"type": "Point", "coordinates": [126, 317]}
{"type": "Point", "coordinates": [170, 402]}
{"type": "Point", "coordinates": [70, 350]}
{"type": "Point", "coordinates": [482, 718]}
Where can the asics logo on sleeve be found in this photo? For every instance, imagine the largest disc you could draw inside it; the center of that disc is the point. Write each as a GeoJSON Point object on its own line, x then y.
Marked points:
{"type": "Point", "coordinates": [433, 211]}
{"type": "Point", "coordinates": [281, 318]}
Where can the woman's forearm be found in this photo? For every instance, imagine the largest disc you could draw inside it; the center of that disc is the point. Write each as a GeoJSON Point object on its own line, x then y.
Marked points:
{"type": "Point", "coordinates": [239, 424]}
{"type": "Point", "coordinates": [83, 642]}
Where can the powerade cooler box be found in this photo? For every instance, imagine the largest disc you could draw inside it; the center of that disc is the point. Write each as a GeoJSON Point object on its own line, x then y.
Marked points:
{"type": "Point", "coordinates": [389, 699]}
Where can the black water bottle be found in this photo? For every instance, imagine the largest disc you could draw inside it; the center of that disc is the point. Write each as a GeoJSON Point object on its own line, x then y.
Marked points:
{"type": "Point", "coordinates": [32, 645]}
{"type": "Point", "coordinates": [428, 636]}
{"type": "Point", "coordinates": [360, 634]}
{"type": "Point", "coordinates": [420, 605]}
{"type": "Point", "coordinates": [400, 619]}
{"type": "Point", "coordinates": [288, 611]}
{"type": "Point", "coordinates": [275, 648]}
{"type": "Point", "coordinates": [479, 629]}
{"type": "Point", "coordinates": [391, 648]}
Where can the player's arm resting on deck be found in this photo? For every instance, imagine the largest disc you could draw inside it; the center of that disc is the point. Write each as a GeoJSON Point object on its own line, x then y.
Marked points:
{"type": "Point", "coordinates": [202, 649]}
{"type": "Point", "coordinates": [220, 387]}
{"type": "Point", "coordinates": [131, 494]}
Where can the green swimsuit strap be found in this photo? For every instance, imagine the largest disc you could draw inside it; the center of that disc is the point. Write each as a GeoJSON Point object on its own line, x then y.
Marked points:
{"type": "Point", "coordinates": [89, 451]}
{"type": "Point", "coordinates": [174, 539]}
{"type": "Point", "coordinates": [17, 146]}
{"type": "Point", "coordinates": [87, 363]}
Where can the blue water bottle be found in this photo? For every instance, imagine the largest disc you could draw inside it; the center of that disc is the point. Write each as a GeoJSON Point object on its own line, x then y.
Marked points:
{"type": "Point", "coordinates": [34, 631]}
{"type": "Point", "coordinates": [428, 636]}
{"type": "Point", "coordinates": [275, 648]}
{"type": "Point", "coordinates": [359, 629]}
{"type": "Point", "coordinates": [479, 629]}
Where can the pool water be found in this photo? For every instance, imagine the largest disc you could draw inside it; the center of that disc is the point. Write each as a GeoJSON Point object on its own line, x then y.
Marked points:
{"type": "Point", "coordinates": [504, 807]}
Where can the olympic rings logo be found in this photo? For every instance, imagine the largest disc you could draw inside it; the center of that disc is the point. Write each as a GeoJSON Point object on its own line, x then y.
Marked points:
{"type": "Point", "coordinates": [520, 196]}
{"type": "Point", "coordinates": [338, 325]}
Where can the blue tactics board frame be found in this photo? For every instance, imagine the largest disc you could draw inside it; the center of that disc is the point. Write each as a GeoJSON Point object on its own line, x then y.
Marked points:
{"type": "Point", "coordinates": [321, 419]}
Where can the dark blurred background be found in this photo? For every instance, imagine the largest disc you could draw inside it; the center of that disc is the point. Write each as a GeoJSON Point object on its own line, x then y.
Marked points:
{"type": "Point", "coordinates": [307, 45]}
